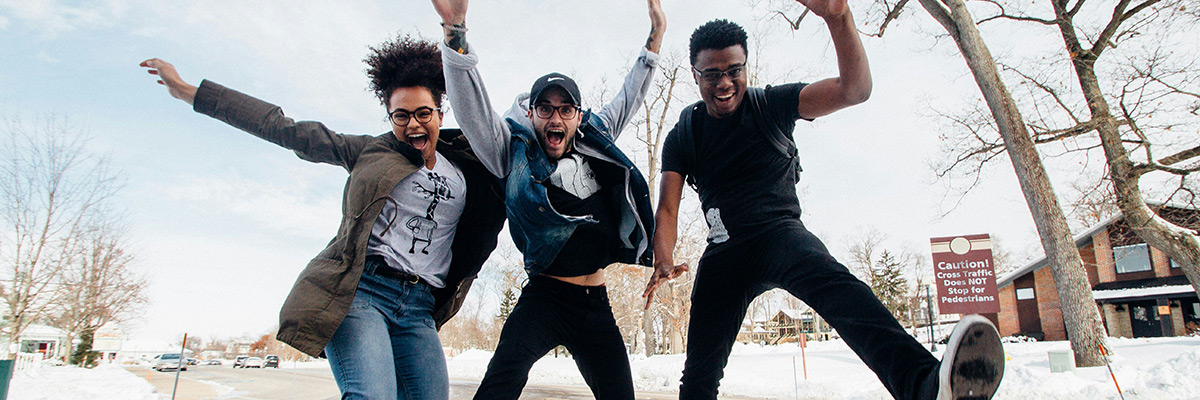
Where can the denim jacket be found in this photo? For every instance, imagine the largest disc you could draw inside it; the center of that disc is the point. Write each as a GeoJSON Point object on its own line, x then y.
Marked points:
{"type": "Point", "coordinates": [509, 148]}
{"type": "Point", "coordinates": [540, 231]}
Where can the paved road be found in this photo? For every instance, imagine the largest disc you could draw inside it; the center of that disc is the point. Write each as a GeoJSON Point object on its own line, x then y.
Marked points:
{"type": "Point", "coordinates": [223, 382]}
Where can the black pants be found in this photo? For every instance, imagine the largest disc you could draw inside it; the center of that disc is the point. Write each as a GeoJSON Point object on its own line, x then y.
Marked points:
{"type": "Point", "coordinates": [788, 256]}
{"type": "Point", "coordinates": [550, 313]}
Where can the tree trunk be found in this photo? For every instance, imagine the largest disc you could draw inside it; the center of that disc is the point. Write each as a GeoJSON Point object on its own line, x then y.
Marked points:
{"type": "Point", "coordinates": [1179, 243]}
{"type": "Point", "coordinates": [1080, 315]}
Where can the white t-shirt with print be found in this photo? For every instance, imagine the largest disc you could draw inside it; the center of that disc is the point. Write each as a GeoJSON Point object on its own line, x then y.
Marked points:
{"type": "Point", "coordinates": [415, 232]}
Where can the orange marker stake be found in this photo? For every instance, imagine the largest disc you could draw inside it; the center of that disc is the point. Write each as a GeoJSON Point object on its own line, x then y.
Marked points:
{"type": "Point", "coordinates": [1110, 372]}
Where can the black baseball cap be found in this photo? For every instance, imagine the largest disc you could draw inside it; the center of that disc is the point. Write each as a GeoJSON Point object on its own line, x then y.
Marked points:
{"type": "Point", "coordinates": [551, 80]}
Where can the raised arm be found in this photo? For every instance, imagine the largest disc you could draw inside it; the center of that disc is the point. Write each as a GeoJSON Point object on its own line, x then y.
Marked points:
{"type": "Point", "coordinates": [617, 113]}
{"type": "Point", "coordinates": [666, 219]}
{"type": "Point", "coordinates": [853, 83]}
{"type": "Point", "coordinates": [488, 134]}
{"type": "Point", "coordinates": [310, 140]}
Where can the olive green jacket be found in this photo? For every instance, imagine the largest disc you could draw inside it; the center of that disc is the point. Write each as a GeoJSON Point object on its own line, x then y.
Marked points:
{"type": "Point", "coordinates": [322, 293]}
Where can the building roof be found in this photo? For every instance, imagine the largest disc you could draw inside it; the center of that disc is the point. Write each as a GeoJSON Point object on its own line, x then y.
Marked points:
{"type": "Point", "coordinates": [42, 332]}
{"type": "Point", "coordinates": [793, 313]}
{"type": "Point", "coordinates": [1082, 239]}
{"type": "Point", "coordinates": [1137, 293]}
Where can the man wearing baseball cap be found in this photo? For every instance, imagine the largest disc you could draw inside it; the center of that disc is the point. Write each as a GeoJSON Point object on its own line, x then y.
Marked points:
{"type": "Point", "coordinates": [575, 204]}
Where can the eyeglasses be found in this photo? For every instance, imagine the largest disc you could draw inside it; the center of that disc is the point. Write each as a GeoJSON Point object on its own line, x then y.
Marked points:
{"type": "Point", "coordinates": [546, 111]}
{"type": "Point", "coordinates": [714, 76]}
{"type": "Point", "coordinates": [401, 116]}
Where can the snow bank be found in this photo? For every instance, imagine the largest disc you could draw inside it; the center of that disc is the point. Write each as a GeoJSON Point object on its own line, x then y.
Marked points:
{"type": "Point", "coordinates": [59, 383]}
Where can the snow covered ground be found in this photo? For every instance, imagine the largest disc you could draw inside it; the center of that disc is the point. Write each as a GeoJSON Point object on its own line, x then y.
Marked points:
{"type": "Point", "coordinates": [1161, 368]}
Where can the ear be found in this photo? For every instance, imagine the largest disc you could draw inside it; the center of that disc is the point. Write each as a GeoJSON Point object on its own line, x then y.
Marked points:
{"type": "Point", "coordinates": [529, 113]}
{"type": "Point", "coordinates": [695, 77]}
{"type": "Point", "coordinates": [441, 118]}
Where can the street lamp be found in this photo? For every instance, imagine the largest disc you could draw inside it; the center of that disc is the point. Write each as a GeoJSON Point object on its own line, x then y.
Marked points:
{"type": "Point", "coordinates": [929, 313]}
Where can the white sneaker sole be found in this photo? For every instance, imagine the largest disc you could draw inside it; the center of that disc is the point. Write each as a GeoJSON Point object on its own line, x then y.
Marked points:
{"type": "Point", "coordinates": [973, 365]}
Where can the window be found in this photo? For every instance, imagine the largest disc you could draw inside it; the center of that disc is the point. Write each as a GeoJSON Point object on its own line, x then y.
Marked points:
{"type": "Point", "coordinates": [1024, 294]}
{"type": "Point", "coordinates": [1174, 264]}
{"type": "Point", "coordinates": [1132, 258]}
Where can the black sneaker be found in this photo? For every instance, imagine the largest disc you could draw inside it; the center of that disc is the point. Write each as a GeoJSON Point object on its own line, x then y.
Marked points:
{"type": "Point", "coordinates": [973, 364]}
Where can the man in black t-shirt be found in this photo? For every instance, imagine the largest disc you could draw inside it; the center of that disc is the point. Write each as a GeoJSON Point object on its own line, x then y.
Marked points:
{"type": "Point", "coordinates": [736, 148]}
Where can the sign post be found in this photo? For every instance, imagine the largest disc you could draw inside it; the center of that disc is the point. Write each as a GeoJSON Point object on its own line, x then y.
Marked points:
{"type": "Point", "coordinates": [965, 275]}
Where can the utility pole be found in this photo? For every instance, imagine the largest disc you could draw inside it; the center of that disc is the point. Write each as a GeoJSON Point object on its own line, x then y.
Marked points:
{"type": "Point", "coordinates": [929, 313]}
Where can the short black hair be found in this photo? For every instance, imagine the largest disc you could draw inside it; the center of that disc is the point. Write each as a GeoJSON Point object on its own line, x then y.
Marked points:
{"type": "Point", "coordinates": [406, 62]}
{"type": "Point", "coordinates": [715, 35]}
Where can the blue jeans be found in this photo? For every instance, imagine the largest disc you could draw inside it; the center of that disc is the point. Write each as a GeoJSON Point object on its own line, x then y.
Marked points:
{"type": "Point", "coordinates": [388, 346]}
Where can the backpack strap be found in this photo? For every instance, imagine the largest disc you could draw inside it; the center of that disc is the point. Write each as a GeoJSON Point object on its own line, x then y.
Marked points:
{"type": "Point", "coordinates": [774, 135]}
{"type": "Point", "coordinates": [688, 138]}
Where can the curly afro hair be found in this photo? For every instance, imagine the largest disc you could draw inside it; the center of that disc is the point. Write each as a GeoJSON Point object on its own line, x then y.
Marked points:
{"type": "Point", "coordinates": [406, 62]}
{"type": "Point", "coordinates": [715, 35]}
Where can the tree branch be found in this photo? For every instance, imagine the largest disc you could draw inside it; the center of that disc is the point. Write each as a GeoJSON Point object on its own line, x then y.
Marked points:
{"type": "Point", "coordinates": [892, 14]}
{"type": "Point", "coordinates": [941, 14]}
{"type": "Point", "coordinates": [1005, 15]}
{"type": "Point", "coordinates": [1180, 156]}
{"type": "Point", "coordinates": [1120, 15]}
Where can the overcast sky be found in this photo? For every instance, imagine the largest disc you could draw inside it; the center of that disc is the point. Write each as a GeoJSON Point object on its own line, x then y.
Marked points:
{"type": "Point", "coordinates": [222, 222]}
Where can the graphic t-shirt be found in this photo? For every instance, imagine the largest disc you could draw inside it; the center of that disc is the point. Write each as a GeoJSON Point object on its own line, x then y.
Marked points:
{"type": "Point", "coordinates": [414, 233]}
{"type": "Point", "coordinates": [744, 183]}
{"type": "Point", "coordinates": [582, 186]}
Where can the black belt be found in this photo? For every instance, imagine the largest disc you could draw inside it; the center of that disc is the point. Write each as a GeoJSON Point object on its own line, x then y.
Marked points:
{"type": "Point", "coordinates": [383, 269]}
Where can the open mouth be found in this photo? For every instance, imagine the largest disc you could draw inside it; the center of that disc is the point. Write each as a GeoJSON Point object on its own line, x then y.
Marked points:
{"type": "Point", "coordinates": [418, 140]}
{"type": "Point", "coordinates": [555, 137]}
{"type": "Point", "coordinates": [725, 98]}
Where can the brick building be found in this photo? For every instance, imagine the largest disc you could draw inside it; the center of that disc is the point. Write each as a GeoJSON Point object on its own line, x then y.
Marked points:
{"type": "Point", "coordinates": [1138, 289]}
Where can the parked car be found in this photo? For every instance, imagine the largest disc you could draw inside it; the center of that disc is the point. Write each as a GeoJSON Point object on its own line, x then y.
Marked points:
{"type": "Point", "coordinates": [240, 361]}
{"type": "Point", "coordinates": [192, 361]}
{"type": "Point", "coordinates": [213, 362]}
{"type": "Point", "coordinates": [168, 361]}
{"type": "Point", "coordinates": [253, 362]}
{"type": "Point", "coordinates": [271, 361]}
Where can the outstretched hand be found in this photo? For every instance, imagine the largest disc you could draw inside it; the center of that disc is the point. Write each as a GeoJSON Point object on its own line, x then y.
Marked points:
{"type": "Point", "coordinates": [453, 12]}
{"type": "Point", "coordinates": [658, 26]}
{"type": "Point", "coordinates": [169, 78]}
{"type": "Point", "coordinates": [826, 8]}
{"type": "Point", "coordinates": [662, 272]}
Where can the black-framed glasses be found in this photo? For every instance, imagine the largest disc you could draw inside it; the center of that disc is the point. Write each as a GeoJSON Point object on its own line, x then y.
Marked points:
{"type": "Point", "coordinates": [401, 116]}
{"type": "Point", "coordinates": [546, 111]}
{"type": "Point", "coordinates": [713, 75]}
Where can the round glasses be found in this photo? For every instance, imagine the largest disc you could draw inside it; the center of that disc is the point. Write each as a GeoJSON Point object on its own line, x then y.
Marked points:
{"type": "Point", "coordinates": [401, 116]}
{"type": "Point", "coordinates": [712, 76]}
{"type": "Point", "coordinates": [545, 111]}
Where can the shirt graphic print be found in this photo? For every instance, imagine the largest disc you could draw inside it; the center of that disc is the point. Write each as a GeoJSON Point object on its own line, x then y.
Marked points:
{"type": "Point", "coordinates": [414, 231]}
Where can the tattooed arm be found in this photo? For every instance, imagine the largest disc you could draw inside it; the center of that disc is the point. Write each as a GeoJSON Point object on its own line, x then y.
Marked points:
{"type": "Point", "coordinates": [617, 113]}
{"type": "Point", "coordinates": [487, 132]}
{"type": "Point", "coordinates": [658, 26]}
{"type": "Point", "coordinates": [454, 23]}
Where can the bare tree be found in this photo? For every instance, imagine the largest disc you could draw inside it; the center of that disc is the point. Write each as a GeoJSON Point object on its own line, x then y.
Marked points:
{"type": "Point", "coordinates": [1080, 315]}
{"type": "Point", "coordinates": [52, 188]}
{"type": "Point", "coordinates": [653, 122]}
{"type": "Point", "coordinates": [895, 274]}
{"type": "Point", "coordinates": [1141, 107]}
{"type": "Point", "coordinates": [501, 278]}
{"type": "Point", "coordinates": [1151, 82]}
{"type": "Point", "coordinates": [99, 286]}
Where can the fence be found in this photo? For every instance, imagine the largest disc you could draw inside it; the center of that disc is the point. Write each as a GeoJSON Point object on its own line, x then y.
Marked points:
{"type": "Point", "coordinates": [27, 361]}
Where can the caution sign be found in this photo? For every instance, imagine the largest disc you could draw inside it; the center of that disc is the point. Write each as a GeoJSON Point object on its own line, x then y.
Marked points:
{"type": "Point", "coordinates": [966, 278]}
